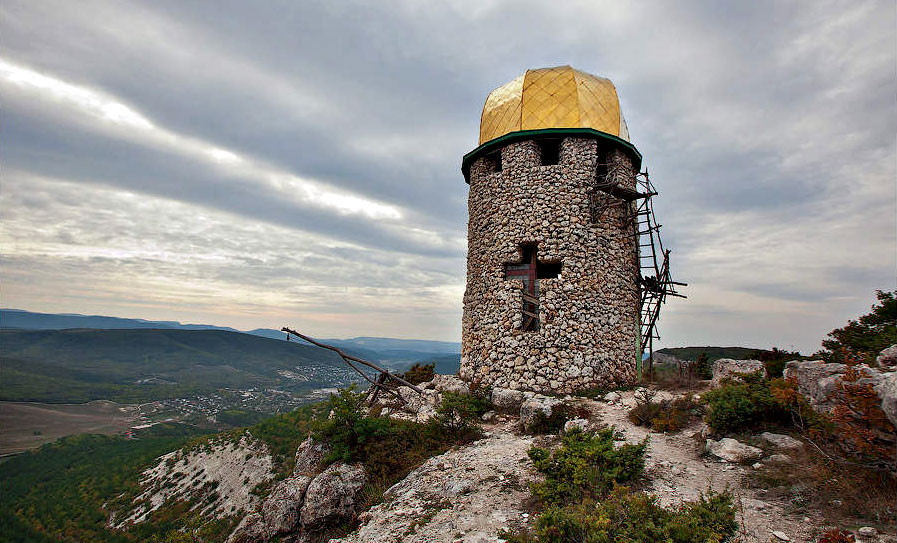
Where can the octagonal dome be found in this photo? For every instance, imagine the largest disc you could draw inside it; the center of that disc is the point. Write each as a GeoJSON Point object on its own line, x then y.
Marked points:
{"type": "Point", "coordinates": [558, 97]}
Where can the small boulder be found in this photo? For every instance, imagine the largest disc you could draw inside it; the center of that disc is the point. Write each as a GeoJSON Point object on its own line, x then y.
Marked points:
{"type": "Point", "coordinates": [450, 383]}
{"type": "Point", "coordinates": [281, 508]}
{"type": "Point", "coordinates": [535, 410]}
{"type": "Point", "coordinates": [816, 380]}
{"type": "Point", "coordinates": [887, 357]}
{"type": "Point", "coordinates": [581, 424]}
{"type": "Point", "coordinates": [310, 455]}
{"type": "Point", "coordinates": [728, 368]}
{"type": "Point", "coordinates": [506, 400]}
{"type": "Point", "coordinates": [781, 441]}
{"type": "Point", "coordinates": [488, 416]}
{"type": "Point", "coordinates": [777, 459]}
{"type": "Point", "coordinates": [612, 397]}
{"type": "Point", "coordinates": [333, 495]}
{"type": "Point", "coordinates": [732, 450]}
{"type": "Point", "coordinates": [887, 391]}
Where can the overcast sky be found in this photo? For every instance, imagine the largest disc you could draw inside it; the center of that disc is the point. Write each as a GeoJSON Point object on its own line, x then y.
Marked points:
{"type": "Point", "coordinates": [261, 164]}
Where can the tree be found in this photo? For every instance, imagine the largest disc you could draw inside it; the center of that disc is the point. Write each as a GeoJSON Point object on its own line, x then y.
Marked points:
{"type": "Point", "coordinates": [866, 336]}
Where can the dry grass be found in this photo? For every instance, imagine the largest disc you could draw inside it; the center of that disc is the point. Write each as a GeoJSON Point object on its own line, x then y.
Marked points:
{"type": "Point", "coordinates": [844, 494]}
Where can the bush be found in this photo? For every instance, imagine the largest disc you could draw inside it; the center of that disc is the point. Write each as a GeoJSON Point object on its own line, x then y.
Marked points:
{"type": "Point", "coordinates": [390, 448]}
{"type": "Point", "coordinates": [866, 336]}
{"type": "Point", "coordinates": [549, 424]}
{"type": "Point", "coordinates": [458, 413]}
{"type": "Point", "coordinates": [585, 466]}
{"type": "Point", "coordinates": [627, 516]}
{"type": "Point", "coordinates": [419, 373]}
{"type": "Point", "coordinates": [663, 416]}
{"type": "Point", "coordinates": [737, 406]}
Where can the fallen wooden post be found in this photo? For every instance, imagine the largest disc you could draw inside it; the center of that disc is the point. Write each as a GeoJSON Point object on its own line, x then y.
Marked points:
{"type": "Point", "coordinates": [376, 386]}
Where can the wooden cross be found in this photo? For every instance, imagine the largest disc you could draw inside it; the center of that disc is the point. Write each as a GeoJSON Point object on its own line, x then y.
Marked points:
{"type": "Point", "coordinates": [530, 269]}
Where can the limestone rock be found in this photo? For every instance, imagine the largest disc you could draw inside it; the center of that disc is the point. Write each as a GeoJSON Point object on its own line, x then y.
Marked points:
{"type": "Point", "coordinates": [449, 383]}
{"type": "Point", "coordinates": [778, 459]}
{"type": "Point", "coordinates": [728, 368]}
{"type": "Point", "coordinates": [281, 509]}
{"type": "Point", "coordinates": [888, 356]}
{"type": "Point", "coordinates": [612, 397]}
{"type": "Point", "coordinates": [333, 495]}
{"type": "Point", "coordinates": [781, 441]}
{"type": "Point", "coordinates": [476, 491]}
{"type": "Point", "coordinates": [582, 424]}
{"type": "Point", "coordinates": [310, 455]}
{"type": "Point", "coordinates": [887, 391]}
{"type": "Point", "coordinates": [536, 407]}
{"type": "Point", "coordinates": [506, 400]}
{"type": "Point", "coordinates": [816, 380]}
{"type": "Point", "coordinates": [732, 450]}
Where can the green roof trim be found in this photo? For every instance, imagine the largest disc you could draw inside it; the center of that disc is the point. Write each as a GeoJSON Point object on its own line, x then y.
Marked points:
{"type": "Point", "coordinates": [512, 137]}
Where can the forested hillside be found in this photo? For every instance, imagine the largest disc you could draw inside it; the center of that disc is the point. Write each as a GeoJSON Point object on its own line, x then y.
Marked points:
{"type": "Point", "coordinates": [140, 365]}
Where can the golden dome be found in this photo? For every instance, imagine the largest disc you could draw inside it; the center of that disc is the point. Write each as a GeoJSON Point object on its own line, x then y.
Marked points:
{"type": "Point", "coordinates": [558, 97]}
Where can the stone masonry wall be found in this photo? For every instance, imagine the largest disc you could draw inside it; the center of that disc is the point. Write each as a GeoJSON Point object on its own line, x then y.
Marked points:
{"type": "Point", "coordinates": [589, 329]}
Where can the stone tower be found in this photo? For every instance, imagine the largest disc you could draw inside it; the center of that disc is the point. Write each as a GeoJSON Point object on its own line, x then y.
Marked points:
{"type": "Point", "coordinates": [552, 299]}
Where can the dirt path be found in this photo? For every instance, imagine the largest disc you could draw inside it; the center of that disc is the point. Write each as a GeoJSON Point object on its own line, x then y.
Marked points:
{"type": "Point", "coordinates": [677, 472]}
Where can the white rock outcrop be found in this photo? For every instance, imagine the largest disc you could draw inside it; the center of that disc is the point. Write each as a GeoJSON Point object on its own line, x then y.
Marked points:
{"type": "Point", "coordinates": [728, 368]}
{"type": "Point", "coordinates": [465, 495]}
{"type": "Point", "coordinates": [281, 509]}
{"type": "Point", "coordinates": [332, 496]}
{"type": "Point", "coordinates": [506, 400]}
{"type": "Point", "coordinates": [818, 381]}
{"type": "Point", "coordinates": [310, 456]}
{"type": "Point", "coordinates": [219, 475]}
{"type": "Point", "coordinates": [887, 357]}
{"type": "Point", "coordinates": [732, 450]}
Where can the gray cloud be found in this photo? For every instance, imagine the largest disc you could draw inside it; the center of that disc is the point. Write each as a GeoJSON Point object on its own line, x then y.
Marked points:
{"type": "Point", "coordinates": [768, 127]}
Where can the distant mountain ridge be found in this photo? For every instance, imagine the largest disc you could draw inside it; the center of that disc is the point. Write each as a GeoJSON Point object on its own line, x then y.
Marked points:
{"type": "Point", "coordinates": [396, 354]}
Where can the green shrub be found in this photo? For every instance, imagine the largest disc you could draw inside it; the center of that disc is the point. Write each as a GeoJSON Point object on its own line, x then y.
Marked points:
{"type": "Point", "coordinates": [625, 516]}
{"type": "Point", "coordinates": [866, 336]}
{"type": "Point", "coordinates": [585, 465]}
{"type": "Point", "coordinates": [391, 448]}
{"type": "Point", "coordinates": [549, 424]}
{"type": "Point", "coordinates": [737, 406]}
{"type": "Point", "coordinates": [419, 373]}
{"type": "Point", "coordinates": [458, 413]}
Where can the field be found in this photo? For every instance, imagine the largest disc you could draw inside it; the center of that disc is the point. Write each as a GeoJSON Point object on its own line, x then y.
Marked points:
{"type": "Point", "coordinates": [28, 425]}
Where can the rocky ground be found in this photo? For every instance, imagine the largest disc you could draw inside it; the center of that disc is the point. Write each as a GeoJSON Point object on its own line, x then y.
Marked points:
{"type": "Point", "coordinates": [469, 494]}
{"type": "Point", "coordinates": [464, 495]}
